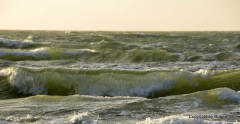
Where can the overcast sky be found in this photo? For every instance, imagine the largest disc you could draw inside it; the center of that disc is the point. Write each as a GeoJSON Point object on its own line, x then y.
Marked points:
{"type": "Point", "coordinates": [121, 15]}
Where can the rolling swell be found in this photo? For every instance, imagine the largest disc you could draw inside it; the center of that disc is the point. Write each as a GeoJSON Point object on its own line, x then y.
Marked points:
{"type": "Point", "coordinates": [135, 55]}
{"type": "Point", "coordinates": [106, 82]}
{"type": "Point", "coordinates": [41, 54]}
{"type": "Point", "coordinates": [127, 55]}
{"type": "Point", "coordinates": [127, 47]}
{"type": "Point", "coordinates": [188, 51]}
{"type": "Point", "coordinates": [15, 44]}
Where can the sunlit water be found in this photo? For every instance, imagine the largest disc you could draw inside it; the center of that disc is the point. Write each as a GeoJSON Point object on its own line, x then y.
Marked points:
{"type": "Point", "coordinates": [119, 77]}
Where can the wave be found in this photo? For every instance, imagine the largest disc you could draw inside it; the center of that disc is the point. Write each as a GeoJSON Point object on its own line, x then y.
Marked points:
{"type": "Point", "coordinates": [73, 119]}
{"type": "Point", "coordinates": [222, 56]}
{"type": "Point", "coordinates": [238, 46]}
{"type": "Point", "coordinates": [107, 82]}
{"type": "Point", "coordinates": [193, 67]}
{"type": "Point", "coordinates": [215, 97]}
{"type": "Point", "coordinates": [228, 94]}
{"type": "Point", "coordinates": [41, 54]}
{"type": "Point", "coordinates": [192, 106]}
{"type": "Point", "coordinates": [95, 38]}
{"type": "Point", "coordinates": [136, 56]}
{"type": "Point", "coordinates": [198, 107]}
{"type": "Point", "coordinates": [105, 51]}
{"type": "Point", "coordinates": [17, 44]}
{"type": "Point", "coordinates": [151, 34]}
{"type": "Point", "coordinates": [111, 55]}
{"type": "Point", "coordinates": [180, 119]}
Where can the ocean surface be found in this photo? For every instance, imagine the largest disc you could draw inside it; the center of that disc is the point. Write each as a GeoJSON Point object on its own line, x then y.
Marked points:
{"type": "Point", "coordinates": [92, 77]}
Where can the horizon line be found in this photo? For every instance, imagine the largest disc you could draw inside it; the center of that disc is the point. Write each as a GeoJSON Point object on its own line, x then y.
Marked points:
{"type": "Point", "coordinates": [122, 30]}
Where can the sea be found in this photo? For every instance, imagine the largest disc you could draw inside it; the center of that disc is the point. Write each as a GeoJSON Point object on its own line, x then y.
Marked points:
{"type": "Point", "coordinates": [106, 77]}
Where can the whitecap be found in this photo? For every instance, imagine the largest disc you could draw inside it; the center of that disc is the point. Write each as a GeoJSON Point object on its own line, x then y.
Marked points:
{"type": "Point", "coordinates": [40, 53]}
{"type": "Point", "coordinates": [181, 119]}
{"type": "Point", "coordinates": [19, 44]}
{"type": "Point", "coordinates": [229, 94]}
{"type": "Point", "coordinates": [82, 118]}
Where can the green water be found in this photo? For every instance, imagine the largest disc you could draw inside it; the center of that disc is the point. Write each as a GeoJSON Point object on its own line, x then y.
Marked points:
{"type": "Point", "coordinates": [119, 77]}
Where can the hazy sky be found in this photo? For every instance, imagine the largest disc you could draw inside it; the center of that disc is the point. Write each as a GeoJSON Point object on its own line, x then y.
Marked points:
{"type": "Point", "coordinates": [127, 15]}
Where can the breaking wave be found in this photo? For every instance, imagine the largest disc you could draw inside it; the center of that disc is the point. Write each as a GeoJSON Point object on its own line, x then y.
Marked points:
{"type": "Point", "coordinates": [17, 44]}
{"type": "Point", "coordinates": [180, 119]}
{"type": "Point", "coordinates": [107, 82]}
{"type": "Point", "coordinates": [41, 54]}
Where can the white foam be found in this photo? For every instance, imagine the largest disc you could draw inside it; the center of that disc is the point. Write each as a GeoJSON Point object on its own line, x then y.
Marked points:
{"type": "Point", "coordinates": [180, 119]}
{"type": "Point", "coordinates": [229, 94]}
{"type": "Point", "coordinates": [80, 52]}
{"type": "Point", "coordinates": [10, 118]}
{"type": "Point", "coordinates": [106, 83]}
{"type": "Point", "coordinates": [79, 117]}
{"type": "Point", "coordinates": [19, 44]}
{"type": "Point", "coordinates": [28, 118]}
{"type": "Point", "coordinates": [128, 67]}
{"type": "Point", "coordinates": [125, 113]}
{"type": "Point", "coordinates": [76, 118]}
{"type": "Point", "coordinates": [5, 72]}
{"type": "Point", "coordinates": [142, 34]}
{"type": "Point", "coordinates": [82, 118]}
{"type": "Point", "coordinates": [40, 53]}
{"type": "Point", "coordinates": [202, 71]}
{"type": "Point", "coordinates": [32, 37]}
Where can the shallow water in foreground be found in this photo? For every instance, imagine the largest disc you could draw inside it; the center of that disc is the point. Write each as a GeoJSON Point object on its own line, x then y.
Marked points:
{"type": "Point", "coordinates": [119, 77]}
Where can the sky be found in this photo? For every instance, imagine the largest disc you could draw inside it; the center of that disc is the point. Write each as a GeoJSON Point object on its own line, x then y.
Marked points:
{"type": "Point", "coordinates": [121, 15]}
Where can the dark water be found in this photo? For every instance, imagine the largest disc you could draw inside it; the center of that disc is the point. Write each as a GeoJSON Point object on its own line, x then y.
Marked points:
{"type": "Point", "coordinates": [119, 77]}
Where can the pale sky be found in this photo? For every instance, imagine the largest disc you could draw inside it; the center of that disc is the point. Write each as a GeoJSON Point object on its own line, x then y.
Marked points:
{"type": "Point", "coordinates": [121, 15]}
